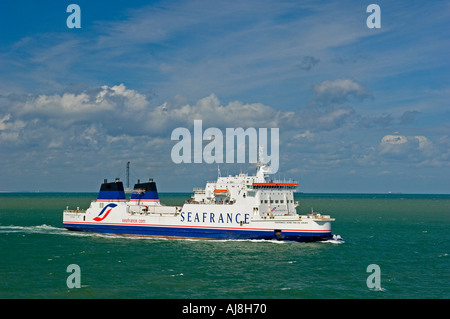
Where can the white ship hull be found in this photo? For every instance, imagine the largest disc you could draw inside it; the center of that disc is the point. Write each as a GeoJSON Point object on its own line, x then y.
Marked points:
{"type": "Point", "coordinates": [200, 221]}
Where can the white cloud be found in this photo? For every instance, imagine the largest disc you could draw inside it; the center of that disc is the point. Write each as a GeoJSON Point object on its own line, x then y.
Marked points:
{"type": "Point", "coordinates": [334, 117]}
{"type": "Point", "coordinates": [10, 137]}
{"type": "Point", "coordinates": [102, 116]}
{"type": "Point", "coordinates": [412, 148]}
{"type": "Point", "coordinates": [306, 135]}
{"type": "Point", "coordinates": [132, 99]}
{"type": "Point", "coordinates": [340, 91]}
{"type": "Point", "coordinates": [393, 139]}
{"type": "Point", "coordinates": [424, 143]}
{"type": "Point", "coordinates": [3, 122]}
{"type": "Point", "coordinates": [116, 103]}
{"type": "Point", "coordinates": [10, 130]}
{"type": "Point", "coordinates": [215, 114]}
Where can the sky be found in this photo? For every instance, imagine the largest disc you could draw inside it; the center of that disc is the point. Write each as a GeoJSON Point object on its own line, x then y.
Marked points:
{"type": "Point", "coordinates": [359, 109]}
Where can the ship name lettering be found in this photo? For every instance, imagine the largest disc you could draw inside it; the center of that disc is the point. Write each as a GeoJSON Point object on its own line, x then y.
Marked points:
{"type": "Point", "coordinates": [133, 220]}
{"type": "Point", "coordinates": [129, 220]}
{"type": "Point", "coordinates": [214, 218]}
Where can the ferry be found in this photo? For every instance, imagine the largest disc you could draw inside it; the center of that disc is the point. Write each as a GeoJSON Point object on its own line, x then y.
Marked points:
{"type": "Point", "coordinates": [232, 207]}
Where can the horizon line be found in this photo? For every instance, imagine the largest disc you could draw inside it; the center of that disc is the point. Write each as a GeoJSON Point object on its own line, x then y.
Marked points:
{"type": "Point", "coordinates": [190, 192]}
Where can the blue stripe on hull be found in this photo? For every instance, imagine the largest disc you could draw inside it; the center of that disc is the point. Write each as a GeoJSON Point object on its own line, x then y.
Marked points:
{"type": "Point", "coordinates": [200, 233]}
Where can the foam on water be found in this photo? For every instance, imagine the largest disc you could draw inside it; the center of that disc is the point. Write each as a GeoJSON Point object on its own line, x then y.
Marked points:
{"type": "Point", "coordinates": [30, 229]}
{"type": "Point", "coordinates": [52, 230]}
{"type": "Point", "coordinates": [337, 239]}
{"type": "Point", "coordinates": [47, 230]}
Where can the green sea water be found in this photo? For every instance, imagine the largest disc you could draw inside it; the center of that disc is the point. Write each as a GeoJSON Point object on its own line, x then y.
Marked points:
{"type": "Point", "coordinates": [407, 236]}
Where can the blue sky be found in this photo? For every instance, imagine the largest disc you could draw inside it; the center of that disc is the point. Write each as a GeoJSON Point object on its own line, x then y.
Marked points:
{"type": "Point", "coordinates": [359, 109]}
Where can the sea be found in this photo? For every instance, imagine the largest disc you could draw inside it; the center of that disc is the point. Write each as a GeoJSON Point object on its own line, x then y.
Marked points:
{"type": "Point", "coordinates": [394, 246]}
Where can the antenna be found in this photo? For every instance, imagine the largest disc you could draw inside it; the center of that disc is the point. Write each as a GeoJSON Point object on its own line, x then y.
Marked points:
{"type": "Point", "coordinates": [128, 174]}
{"type": "Point", "coordinates": [260, 156]}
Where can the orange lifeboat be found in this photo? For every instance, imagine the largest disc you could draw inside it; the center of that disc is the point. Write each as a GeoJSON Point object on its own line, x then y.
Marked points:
{"type": "Point", "coordinates": [220, 191]}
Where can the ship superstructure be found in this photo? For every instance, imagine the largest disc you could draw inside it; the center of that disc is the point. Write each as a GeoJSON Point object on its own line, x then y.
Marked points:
{"type": "Point", "coordinates": [233, 207]}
